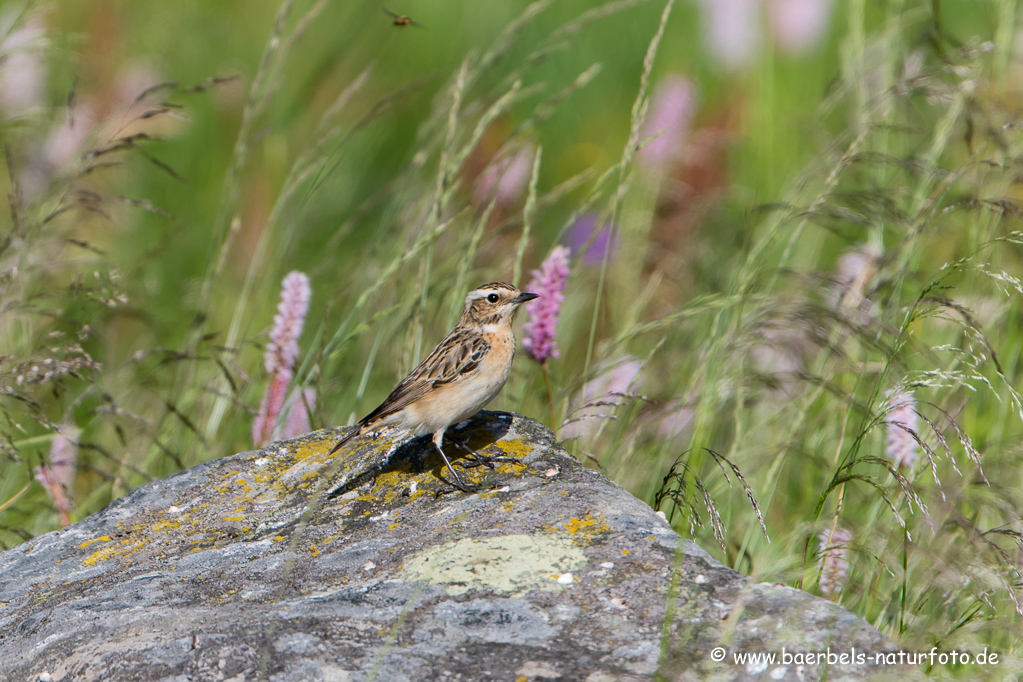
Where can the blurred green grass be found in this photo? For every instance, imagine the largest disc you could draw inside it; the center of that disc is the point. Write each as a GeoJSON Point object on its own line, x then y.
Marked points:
{"type": "Point", "coordinates": [894, 132]}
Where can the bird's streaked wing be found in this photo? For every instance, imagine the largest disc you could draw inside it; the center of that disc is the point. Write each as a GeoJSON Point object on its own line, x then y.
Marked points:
{"type": "Point", "coordinates": [456, 357]}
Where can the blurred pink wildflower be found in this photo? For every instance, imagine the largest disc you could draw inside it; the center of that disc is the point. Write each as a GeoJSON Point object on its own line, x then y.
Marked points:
{"type": "Point", "coordinates": [67, 138]}
{"type": "Point", "coordinates": [549, 282]}
{"type": "Point", "coordinates": [901, 446]}
{"type": "Point", "coordinates": [779, 357]}
{"type": "Point", "coordinates": [799, 25]}
{"type": "Point", "coordinates": [506, 178]}
{"type": "Point", "coordinates": [732, 30]}
{"type": "Point", "coordinates": [675, 419]}
{"type": "Point", "coordinates": [854, 277]}
{"type": "Point", "coordinates": [57, 475]}
{"type": "Point", "coordinates": [599, 397]}
{"type": "Point", "coordinates": [282, 353]}
{"type": "Point", "coordinates": [22, 65]}
{"type": "Point", "coordinates": [133, 79]}
{"type": "Point", "coordinates": [834, 548]}
{"type": "Point", "coordinates": [673, 108]}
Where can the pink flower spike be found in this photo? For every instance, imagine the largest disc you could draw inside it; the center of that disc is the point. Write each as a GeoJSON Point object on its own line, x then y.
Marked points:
{"type": "Point", "coordinates": [282, 353]}
{"type": "Point", "coordinates": [57, 475]}
{"type": "Point", "coordinates": [549, 282]}
{"type": "Point", "coordinates": [64, 455]}
{"type": "Point", "coordinates": [291, 311]}
{"type": "Point", "coordinates": [270, 408]}
{"type": "Point", "coordinates": [300, 406]}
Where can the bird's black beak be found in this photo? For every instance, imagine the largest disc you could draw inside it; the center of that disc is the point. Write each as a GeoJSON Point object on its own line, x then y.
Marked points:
{"type": "Point", "coordinates": [523, 297]}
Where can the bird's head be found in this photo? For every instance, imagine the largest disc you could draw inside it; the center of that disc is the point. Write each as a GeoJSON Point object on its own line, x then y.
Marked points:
{"type": "Point", "coordinates": [494, 303]}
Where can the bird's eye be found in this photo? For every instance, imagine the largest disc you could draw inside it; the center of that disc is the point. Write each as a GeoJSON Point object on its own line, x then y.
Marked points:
{"type": "Point", "coordinates": [493, 298]}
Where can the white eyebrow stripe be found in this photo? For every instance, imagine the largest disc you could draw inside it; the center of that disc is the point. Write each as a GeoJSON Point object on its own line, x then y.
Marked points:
{"type": "Point", "coordinates": [484, 291]}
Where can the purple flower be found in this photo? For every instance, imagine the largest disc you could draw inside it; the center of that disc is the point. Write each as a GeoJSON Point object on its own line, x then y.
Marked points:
{"type": "Point", "coordinates": [282, 353]}
{"type": "Point", "coordinates": [834, 547]}
{"type": "Point", "coordinates": [900, 435]}
{"type": "Point", "coordinates": [549, 281]}
{"type": "Point", "coordinates": [584, 229]}
{"type": "Point", "coordinates": [799, 25]}
{"type": "Point", "coordinates": [674, 105]}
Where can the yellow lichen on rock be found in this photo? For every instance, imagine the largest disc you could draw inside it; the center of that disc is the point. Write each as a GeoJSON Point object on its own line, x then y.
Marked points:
{"type": "Point", "coordinates": [166, 525]}
{"type": "Point", "coordinates": [104, 538]}
{"type": "Point", "coordinates": [517, 448]}
{"type": "Point", "coordinates": [588, 525]}
{"type": "Point", "coordinates": [120, 549]}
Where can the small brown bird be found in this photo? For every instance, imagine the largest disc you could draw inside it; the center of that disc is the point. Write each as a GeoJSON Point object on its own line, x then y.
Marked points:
{"type": "Point", "coordinates": [462, 374]}
{"type": "Point", "coordinates": [400, 20]}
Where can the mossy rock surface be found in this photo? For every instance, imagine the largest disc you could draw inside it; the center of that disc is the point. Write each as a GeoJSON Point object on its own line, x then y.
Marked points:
{"type": "Point", "coordinates": [285, 564]}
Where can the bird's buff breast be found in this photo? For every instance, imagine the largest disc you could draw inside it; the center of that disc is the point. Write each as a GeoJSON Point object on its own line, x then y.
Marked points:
{"type": "Point", "coordinates": [451, 403]}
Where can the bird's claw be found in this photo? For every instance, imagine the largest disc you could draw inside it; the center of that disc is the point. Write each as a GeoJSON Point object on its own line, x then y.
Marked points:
{"type": "Point", "coordinates": [457, 485]}
{"type": "Point", "coordinates": [477, 460]}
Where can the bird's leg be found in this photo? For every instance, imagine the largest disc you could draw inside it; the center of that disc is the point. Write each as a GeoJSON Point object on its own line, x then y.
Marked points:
{"type": "Point", "coordinates": [438, 439]}
{"type": "Point", "coordinates": [478, 459]}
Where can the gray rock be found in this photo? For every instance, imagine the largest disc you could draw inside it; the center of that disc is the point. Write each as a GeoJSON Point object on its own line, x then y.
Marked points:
{"type": "Point", "coordinates": [287, 565]}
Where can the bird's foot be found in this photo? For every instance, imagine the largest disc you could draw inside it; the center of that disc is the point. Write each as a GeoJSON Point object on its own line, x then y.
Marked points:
{"type": "Point", "coordinates": [458, 485]}
{"type": "Point", "coordinates": [457, 480]}
{"type": "Point", "coordinates": [477, 460]}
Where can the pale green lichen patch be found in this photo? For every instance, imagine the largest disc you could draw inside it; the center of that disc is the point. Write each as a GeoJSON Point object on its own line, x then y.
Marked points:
{"type": "Point", "coordinates": [509, 564]}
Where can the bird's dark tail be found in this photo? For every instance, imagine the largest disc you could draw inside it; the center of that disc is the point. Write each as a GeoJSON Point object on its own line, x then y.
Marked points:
{"type": "Point", "coordinates": [350, 435]}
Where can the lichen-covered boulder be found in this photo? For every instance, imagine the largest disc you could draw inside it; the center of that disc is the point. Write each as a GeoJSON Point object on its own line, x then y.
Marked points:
{"type": "Point", "coordinates": [288, 565]}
